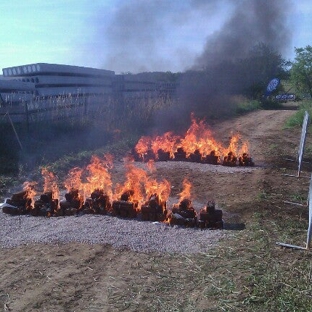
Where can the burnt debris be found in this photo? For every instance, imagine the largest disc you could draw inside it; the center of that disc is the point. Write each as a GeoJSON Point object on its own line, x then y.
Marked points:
{"type": "Point", "coordinates": [212, 158]}
{"type": "Point", "coordinates": [154, 209]}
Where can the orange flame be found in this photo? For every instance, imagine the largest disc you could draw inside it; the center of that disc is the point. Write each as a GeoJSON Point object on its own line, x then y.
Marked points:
{"type": "Point", "coordinates": [99, 177]}
{"type": "Point", "coordinates": [166, 143]}
{"type": "Point", "coordinates": [197, 138]}
{"type": "Point", "coordinates": [29, 187]}
{"type": "Point", "coordinates": [135, 179]}
{"type": "Point", "coordinates": [50, 183]}
{"type": "Point", "coordinates": [142, 186]}
{"type": "Point", "coordinates": [94, 177]}
{"type": "Point", "coordinates": [162, 189]}
{"type": "Point", "coordinates": [186, 192]}
{"type": "Point", "coordinates": [73, 180]}
{"type": "Point", "coordinates": [143, 145]}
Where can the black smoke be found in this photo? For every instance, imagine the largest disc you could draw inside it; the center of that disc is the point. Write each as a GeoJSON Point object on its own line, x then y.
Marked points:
{"type": "Point", "coordinates": [231, 61]}
{"type": "Point", "coordinates": [140, 35]}
{"type": "Point", "coordinates": [252, 22]}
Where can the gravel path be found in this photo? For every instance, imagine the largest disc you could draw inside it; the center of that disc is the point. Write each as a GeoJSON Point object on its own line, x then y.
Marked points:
{"type": "Point", "coordinates": [97, 229]}
{"type": "Point", "coordinates": [120, 233]}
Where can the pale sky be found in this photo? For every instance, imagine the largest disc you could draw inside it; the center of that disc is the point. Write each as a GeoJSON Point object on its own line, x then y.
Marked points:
{"type": "Point", "coordinates": [76, 32]}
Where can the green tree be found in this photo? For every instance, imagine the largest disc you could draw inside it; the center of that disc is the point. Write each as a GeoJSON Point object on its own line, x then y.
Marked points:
{"type": "Point", "coordinates": [301, 70]}
{"type": "Point", "coordinates": [261, 65]}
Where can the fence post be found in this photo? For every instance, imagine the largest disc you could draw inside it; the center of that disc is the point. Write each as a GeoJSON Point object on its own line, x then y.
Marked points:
{"type": "Point", "coordinates": [302, 140]}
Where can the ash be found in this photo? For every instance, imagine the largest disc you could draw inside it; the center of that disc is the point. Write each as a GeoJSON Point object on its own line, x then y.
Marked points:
{"type": "Point", "coordinates": [136, 235]}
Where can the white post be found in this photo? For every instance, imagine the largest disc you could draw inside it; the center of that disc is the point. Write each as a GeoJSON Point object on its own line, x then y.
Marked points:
{"type": "Point", "coordinates": [309, 233]}
{"type": "Point", "coordinates": [310, 216]}
{"type": "Point", "coordinates": [302, 140]}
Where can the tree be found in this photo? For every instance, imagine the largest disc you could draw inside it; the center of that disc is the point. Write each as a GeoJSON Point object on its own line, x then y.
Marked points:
{"type": "Point", "coordinates": [261, 65]}
{"type": "Point", "coordinates": [301, 70]}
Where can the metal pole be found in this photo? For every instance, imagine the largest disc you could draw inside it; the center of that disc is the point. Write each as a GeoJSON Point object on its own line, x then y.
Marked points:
{"type": "Point", "coordinates": [302, 141]}
{"type": "Point", "coordinates": [310, 216]}
{"type": "Point", "coordinates": [309, 233]}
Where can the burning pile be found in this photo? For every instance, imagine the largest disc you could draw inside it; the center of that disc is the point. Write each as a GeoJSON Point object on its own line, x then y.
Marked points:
{"type": "Point", "coordinates": [197, 145]}
{"type": "Point", "coordinates": [90, 191]}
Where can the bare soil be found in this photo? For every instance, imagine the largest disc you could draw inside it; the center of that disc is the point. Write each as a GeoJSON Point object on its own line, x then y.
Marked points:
{"type": "Point", "coordinates": [83, 277]}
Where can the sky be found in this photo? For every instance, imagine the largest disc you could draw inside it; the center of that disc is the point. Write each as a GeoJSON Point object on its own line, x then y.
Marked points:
{"type": "Point", "coordinates": [128, 35]}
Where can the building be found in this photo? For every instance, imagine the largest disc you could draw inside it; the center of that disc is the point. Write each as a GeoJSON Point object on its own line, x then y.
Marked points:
{"type": "Point", "coordinates": [36, 90]}
{"type": "Point", "coordinates": [44, 80]}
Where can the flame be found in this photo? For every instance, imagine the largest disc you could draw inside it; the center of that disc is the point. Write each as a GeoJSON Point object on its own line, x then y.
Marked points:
{"type": "Point", "coordinates": [135, 179]}
{"type": "Point", "coordinates": [186, 191]}
{"type": "Point", "coordinates": [143, 145]}
{"type": "Point", "coordinates": [140, 187]}
{"type": "Point", "coordinates": [99, 178]}
{"type": "Point", "coordinates": [162, 189]}
{"type": "Point", "coordinates": [166, 143]}
{"type": "Point", "coordinates": [95, 176]}
{"type": "Point", "coordinates": [73, 180]}
{"type": "Point", "coordinates": [50, 183]}
{"type": "Point", "coordinates": [198, 138]}
{"type": "Point", "coordinates": [151, 165]}
{"type": "Point", "coordinates": [29, 188]}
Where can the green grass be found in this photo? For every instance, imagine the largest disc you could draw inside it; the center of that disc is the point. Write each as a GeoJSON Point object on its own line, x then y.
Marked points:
{"type": "Point", "coordinates": [296, 119]}
{"type": "Point", "coordinates": [247, 106]}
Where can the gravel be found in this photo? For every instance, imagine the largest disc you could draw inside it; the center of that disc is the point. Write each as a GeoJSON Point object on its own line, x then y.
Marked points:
{"type": "Point", "coordinates": [98, 229]}
{"type": "Point", "coordinates": [136, 235]}
{"type": "Point", "coordinates": [198, 167]}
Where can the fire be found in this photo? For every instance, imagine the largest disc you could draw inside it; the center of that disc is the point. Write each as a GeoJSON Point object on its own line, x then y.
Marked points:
{"type": "Point", "coordinates": [50, 183]}
{"type": "Point", "coordinates": [30, 192]}
{"type": "Point", "coordinates": [133, 186]}
{"type": "Point", "coordinates": [186, 191]}
{"type": "Point", "coordinates": [197, 144]}
{"type": "Point", "coordinates": [143, 145]}
{"type": "Point", "coordinates": [141, 196]}
{"type": "Point", "coordinates": [99, 177]}
{"type": "Point", "coordinates": [73, 180]}
{"type": "Point", "coordinates": [95, 176]}
{"type": "Point", "coordinates": [183, 213]}
{"type": "Point", "coordinates": [199, 137]}
{"type": "Point", "coordinates": [165, 143]}
{"type": "Point", "coordinates": [162, 189]}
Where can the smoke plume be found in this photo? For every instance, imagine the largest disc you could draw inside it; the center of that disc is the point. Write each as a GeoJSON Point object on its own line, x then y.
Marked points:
{"type": "Point", "coordinates": [161, 35]}
{"type": "Point", "coordinates": [141, 35]}
{"type": "Point", "coordinates": [252, 22]}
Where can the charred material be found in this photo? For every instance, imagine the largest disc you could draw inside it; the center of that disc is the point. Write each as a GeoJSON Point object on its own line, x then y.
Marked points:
{"type": "Point", "coordinates": [210, 217]}
{"type": "Point", "coordinates": [45, 206]}
{"type": "Point", "coordinates": [98, 203]}
{"type": "Point", "coordinates": [162, 155]}
{"type": "Point", "coordinates": [212, 159]}
{"type": "Point", "coordinates": [18, 204]}
{"type": "Point", "coordinates": [183, 214]}
{"type": "Point", "coordinates": [180, 155]}
{"type": "Point", "coordinates": [230, 160]}
{"type": "Point", "coordinates": [125, 208]}
{"type": "Point", "coordinates": [196, 156]}
{"type": "Point", "coordinates": [71, 205]}
{"type": "Point", "coordinates": [245, 160]}
{"type": "Point", "coordinates": [154, 209]}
